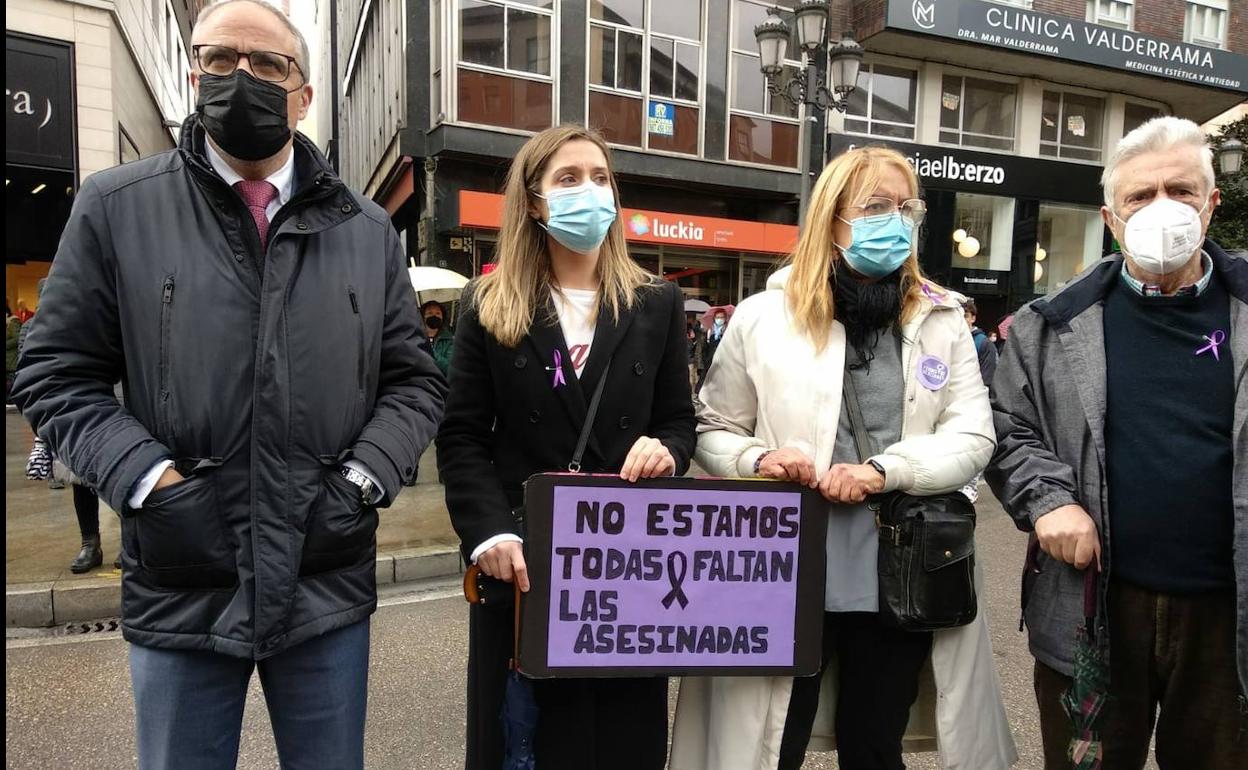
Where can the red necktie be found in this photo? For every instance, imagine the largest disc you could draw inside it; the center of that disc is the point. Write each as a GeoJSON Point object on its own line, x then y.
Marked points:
{"type": "Point", "coordinates": [258, 196]}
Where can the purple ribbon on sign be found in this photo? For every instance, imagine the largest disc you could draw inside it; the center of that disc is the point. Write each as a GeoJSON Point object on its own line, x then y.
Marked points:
{"type": "Point", "coordinates": [558, 370]}
{"type": "Point", "coordinates": [1214, 340]}
{"type": "Point", "coordinates": [677, 568]}
{"type": "Point", "coordinates": [935, 297]}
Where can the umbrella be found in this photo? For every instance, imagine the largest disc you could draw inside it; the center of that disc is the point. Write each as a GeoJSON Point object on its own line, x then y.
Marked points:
{"type": "Point", "coordinates": [519, 711]}
{"type": "Point", "coordinates": [1089, 689]}
{"type": "Point", "coordinates": [708, 318]}
{"type": "Point", "coordinates": [696, 306]}
{"type": "Point", "coordinates": [436, 283]}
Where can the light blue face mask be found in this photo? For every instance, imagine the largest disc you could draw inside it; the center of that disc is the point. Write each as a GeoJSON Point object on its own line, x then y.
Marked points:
{"type": "Point", "coordinates": [879, 244]}
{"type": "Point", "coordinates": [580, 216]}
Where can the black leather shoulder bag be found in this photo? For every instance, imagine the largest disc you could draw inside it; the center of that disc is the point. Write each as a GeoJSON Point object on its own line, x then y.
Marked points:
{"type": "Point", "coordinates": [926, 548]}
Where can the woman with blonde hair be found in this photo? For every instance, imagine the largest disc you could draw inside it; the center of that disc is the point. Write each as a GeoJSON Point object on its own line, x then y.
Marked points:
{"type": "Point", "coordinates": [853, 311]}
{"type": "Point", "coordinates": [564, 317]}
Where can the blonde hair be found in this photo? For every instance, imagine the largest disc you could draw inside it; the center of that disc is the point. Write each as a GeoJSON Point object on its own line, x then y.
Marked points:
{"type": "Point", "coordinates": [850, 177]}
{"type": "Point", "coordinates": [507, 299]}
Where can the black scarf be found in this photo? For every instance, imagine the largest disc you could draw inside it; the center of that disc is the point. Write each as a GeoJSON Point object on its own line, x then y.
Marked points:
{"type": "Point", "coordinates": [865, 309]}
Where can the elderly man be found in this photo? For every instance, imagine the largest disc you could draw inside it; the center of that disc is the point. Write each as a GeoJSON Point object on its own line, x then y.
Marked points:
{"type": "Point", "coordinates": [260, 317]}
{"type": "Point", "coordinates": [1120, 412]}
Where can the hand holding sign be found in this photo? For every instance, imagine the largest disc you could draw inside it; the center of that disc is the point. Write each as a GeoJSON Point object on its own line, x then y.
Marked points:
{"type": "Point", "coordinates": [845, 483]}
{"type": "Point", "coordinates": [648, 459]}
{"type": "Point", "coordinates": [789, 464]}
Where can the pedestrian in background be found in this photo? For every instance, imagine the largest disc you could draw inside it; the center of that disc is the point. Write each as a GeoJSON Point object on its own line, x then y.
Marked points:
{"type": "Point", "coordinates": [985, 350]}
{"type": "Point", "coordinates": [696, 337]}
{"type": "Point", "coordinates": [261, 318]}
{"type": "Point", "coordinates": [714, 335]}
{"type": "Point", "coordinates": [853, 308]}
{"type": "Point", "coordinates": [441, 339]}
{"type": "Point", "coordinates": [1120, 408]}
{"type": "Point", "coordinates": [565, 317]}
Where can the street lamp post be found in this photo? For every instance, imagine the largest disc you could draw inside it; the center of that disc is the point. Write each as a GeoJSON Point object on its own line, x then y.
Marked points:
{"type": "Point", "coordinates": [808, 88]}
{"type": "Point", "coordinates": [1231, 156]}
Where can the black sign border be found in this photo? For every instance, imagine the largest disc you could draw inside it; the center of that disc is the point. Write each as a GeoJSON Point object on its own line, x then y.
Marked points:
{"type": "Point", "coordinates": [535, 605]}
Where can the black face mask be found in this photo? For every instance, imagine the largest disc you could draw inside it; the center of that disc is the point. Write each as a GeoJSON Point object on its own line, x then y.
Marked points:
{"type": "Point", "coordinates": [433, 322]}
{"type": "Point", "coordinates": [245, 116]}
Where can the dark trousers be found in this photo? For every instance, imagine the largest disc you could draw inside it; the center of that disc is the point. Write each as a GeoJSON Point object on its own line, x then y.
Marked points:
{"type": "Point", "coordinates": [1172, 665]}
{"type": "Point", "coordinates": [188, 704]}
{"type": "Point", "coordinates": [878, 679]}
{"type": "Point", "coordinates": [583, 724]}
{"type": "Point", "coordinates": [87, 509]}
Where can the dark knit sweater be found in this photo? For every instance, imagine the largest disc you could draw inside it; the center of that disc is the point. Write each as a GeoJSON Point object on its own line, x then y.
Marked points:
{"type": "Point", "coordinates": [1168, 424]}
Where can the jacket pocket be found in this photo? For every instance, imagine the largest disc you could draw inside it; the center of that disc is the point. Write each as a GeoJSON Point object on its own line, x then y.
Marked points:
{"type": "Point", "coordinates": [165, 421]}
{"type": "Point", "coordinates": [359, 343]}
{"type": "Point", "coordinates": [181, 537]}
{"type": "Point", "coordinates": [341, 530]}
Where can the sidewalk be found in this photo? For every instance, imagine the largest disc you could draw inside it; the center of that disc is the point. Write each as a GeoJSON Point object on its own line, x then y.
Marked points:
{"type": "Point", "coordinates": [414, 541]}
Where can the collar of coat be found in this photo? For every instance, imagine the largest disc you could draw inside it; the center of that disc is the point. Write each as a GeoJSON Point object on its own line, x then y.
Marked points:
{"type": "Point", "coordinates": [1090, 287]}
{"type": "Point", "coordinates": [312, 170]}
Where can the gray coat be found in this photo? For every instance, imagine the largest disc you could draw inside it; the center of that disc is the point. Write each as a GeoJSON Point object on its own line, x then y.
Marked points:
{"type": "Point", "coordinates": [257, 370]}
{"type": "Point", "coordinates": [1048, 403]}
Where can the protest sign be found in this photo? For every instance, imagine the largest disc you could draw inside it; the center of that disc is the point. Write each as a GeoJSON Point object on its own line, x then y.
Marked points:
{"type": "Point", "coordinates": [672, 576]}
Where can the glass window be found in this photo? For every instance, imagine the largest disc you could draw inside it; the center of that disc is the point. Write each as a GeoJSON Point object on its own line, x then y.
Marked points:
{"type": "Point", "coordinates": [602, 56]}
{"type": "Point", "coordinates": [977, 113]}
{"type": "Point", "coordinates": [506, 34]}
{"type": "Point", "coordinates": [528, 41]}
{"type": "Point", "coordinates": [481, 27]}
{"type": "Point", "coordinates": [687, 65]}
{"type": "Point", "coordinates": [502, 100]}
{"type": "Point", "coordinates": [1112, 13]}
{"type": "Point", "coordinates": [1069, 238]}
{"type": "Point", "coordinates": [884, 102]}
{"type": "Point", "coordinates": [1136, 115]}
{"type": "Point", "coordinates": [983, 236]}
{"type": "Point", "coordinates": [1206, 23]}
{"type": "Point", "coordinates": [661, 63]}
{"type": "Point", "coordinates": [662, 53]}
{"type": "Point", "coordinates": [681, 18]}
{"type": "Point", "coordinates": [1071, 126]}
{"type": "Point", "coordinates": [630, 13]}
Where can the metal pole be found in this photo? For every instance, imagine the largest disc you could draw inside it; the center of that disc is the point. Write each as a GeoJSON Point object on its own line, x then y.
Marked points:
{"type": "Point", "coordinates": [803, 166]}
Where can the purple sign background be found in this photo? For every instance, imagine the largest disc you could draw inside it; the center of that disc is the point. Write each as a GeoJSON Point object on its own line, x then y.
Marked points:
{"type": "Point", "coordinates": [714, 603]}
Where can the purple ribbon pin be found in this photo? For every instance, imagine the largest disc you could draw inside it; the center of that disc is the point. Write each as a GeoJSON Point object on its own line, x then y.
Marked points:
{"type": "Point", "coordinates": [935, 297]}
{"type": "Point", "coordinates": [1214, 340]}
{"type": "Point", "coordinates": [558, 370]}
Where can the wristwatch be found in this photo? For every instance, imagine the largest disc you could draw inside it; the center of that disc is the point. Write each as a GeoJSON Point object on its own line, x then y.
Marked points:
{"type": "Point", "coordinates": [367, 488]}
{"type": "Point", "coordinates": [879, 468]}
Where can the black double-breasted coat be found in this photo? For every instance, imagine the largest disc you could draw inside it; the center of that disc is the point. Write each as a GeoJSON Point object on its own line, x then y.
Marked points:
{"type": "Point", "coordinates": [508, 419]}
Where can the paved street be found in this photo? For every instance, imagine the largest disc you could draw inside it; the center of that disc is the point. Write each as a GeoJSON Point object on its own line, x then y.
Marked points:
{"type": "Point", "coordinates": [68, 699]}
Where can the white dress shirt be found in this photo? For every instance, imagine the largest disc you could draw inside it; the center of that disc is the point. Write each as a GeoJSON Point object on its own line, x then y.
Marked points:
{"type": "Point", "coordinates": [284, 180]}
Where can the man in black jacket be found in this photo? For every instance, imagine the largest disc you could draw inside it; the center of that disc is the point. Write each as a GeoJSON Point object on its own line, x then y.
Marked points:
{"type": "Point", "coordinates": [260, 317]}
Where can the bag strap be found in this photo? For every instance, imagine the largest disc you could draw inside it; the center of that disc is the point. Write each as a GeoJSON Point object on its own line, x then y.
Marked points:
{"type": "Point", "coordinates": [862, 439]}
{"type": "Point", "coordinates": [588, 427]}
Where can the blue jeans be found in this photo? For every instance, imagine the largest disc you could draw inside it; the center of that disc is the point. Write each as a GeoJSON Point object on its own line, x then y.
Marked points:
{"type": "Point", "coordinates": [189, 704]}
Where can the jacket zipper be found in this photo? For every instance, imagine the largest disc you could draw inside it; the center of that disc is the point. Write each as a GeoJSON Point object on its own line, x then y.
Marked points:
{"type": "Point", "coordinates": [359, 325]}
{"type": "Point", "coordinates": [166, 314]}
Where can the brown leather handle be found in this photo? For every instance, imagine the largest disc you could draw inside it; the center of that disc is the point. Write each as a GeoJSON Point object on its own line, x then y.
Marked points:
{"type": "Point", "coordinates": [472, 593]}
{"type": "Point", "coordinates": [471, 589]}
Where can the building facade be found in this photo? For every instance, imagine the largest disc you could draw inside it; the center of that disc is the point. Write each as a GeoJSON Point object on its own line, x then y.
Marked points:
{"type": "Point", "coordinates": [89, 85]}
{"type": "Point", "coordinates": [1007, 127]}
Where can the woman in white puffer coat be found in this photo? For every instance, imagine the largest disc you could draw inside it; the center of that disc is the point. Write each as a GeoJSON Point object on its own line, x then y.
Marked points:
{"type": "Point", "coordinates": [853, 304]}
